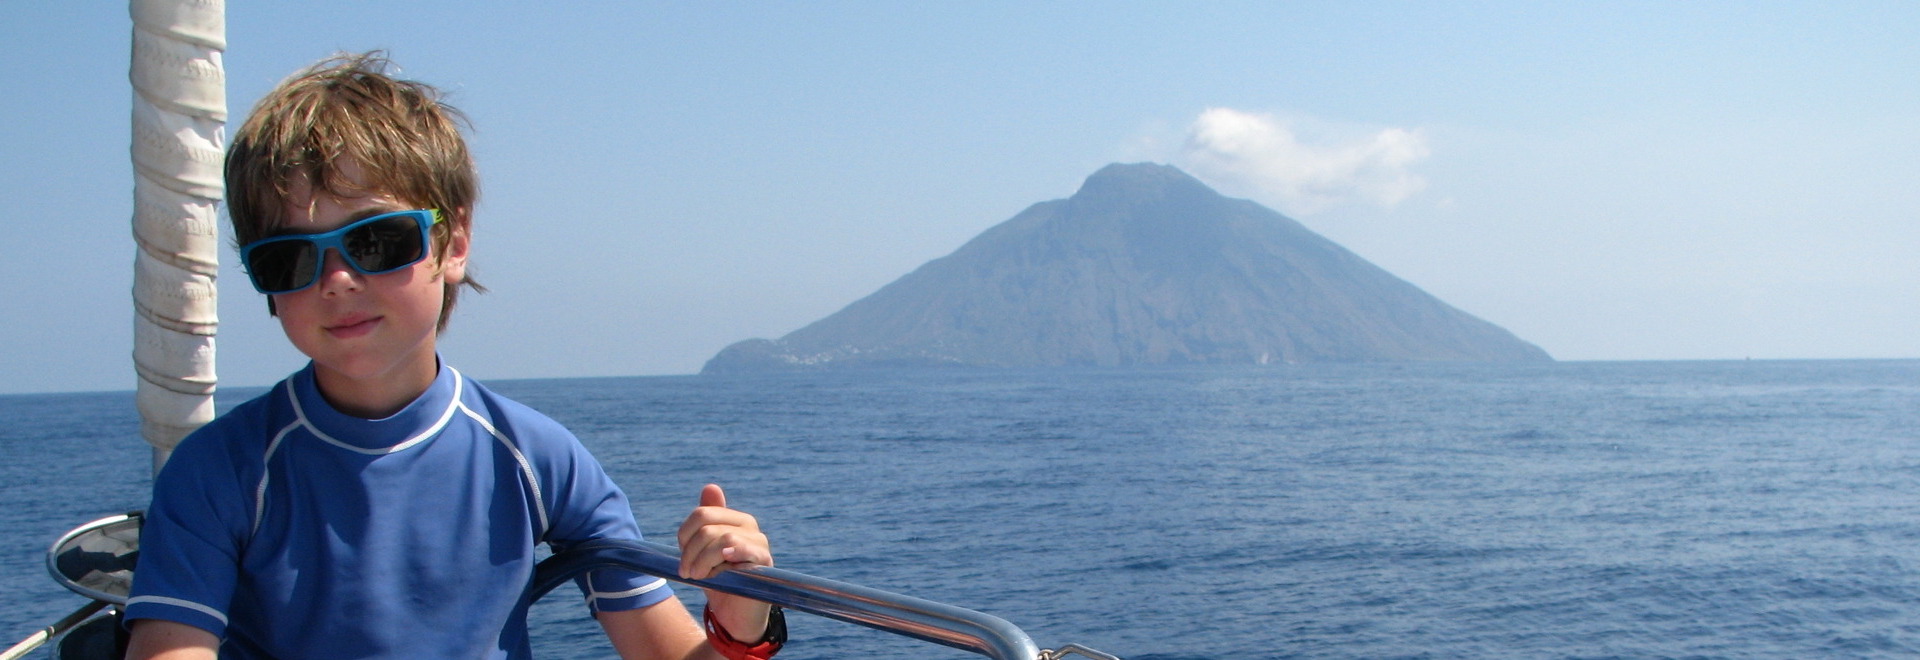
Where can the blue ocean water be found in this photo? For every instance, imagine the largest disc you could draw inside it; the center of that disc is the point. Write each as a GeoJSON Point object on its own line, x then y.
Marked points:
{"type": "Point", "coordinates": [1571, 510]}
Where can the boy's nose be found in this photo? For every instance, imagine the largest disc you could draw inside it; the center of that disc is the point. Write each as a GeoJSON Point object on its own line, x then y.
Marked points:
{"type": "Point", "coordinates": [336, 275]}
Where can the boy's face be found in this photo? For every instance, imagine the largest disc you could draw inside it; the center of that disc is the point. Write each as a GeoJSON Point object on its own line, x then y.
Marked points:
{"type": "Point", "coordinates": [371, 337]}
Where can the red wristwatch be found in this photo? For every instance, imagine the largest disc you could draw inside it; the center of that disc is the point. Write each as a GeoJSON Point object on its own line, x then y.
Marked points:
{"type": "Point", "coordinates": [735, 649]}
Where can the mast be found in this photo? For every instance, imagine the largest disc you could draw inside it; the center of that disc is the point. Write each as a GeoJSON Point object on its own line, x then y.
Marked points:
{"type": "Point", "coordinates": [179, 135]}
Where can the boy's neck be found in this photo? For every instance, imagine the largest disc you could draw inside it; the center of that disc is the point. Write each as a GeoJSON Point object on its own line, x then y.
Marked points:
{"type": "Point", "coordinates": [376, 397]}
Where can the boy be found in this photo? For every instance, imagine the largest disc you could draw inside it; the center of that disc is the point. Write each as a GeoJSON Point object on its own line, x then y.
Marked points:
{"type": "Point", "coordinates": [377, 503]}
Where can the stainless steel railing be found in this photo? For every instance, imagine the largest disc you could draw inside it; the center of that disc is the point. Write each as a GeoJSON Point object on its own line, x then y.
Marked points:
{"type": "Point", "coordinates": [921, 619]}
{"type": "Point", "coordinates": [96, 560]}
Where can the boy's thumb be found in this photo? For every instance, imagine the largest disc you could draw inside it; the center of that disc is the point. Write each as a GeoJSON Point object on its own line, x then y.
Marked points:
{"type": "Point", "coordinates": [712, 495]}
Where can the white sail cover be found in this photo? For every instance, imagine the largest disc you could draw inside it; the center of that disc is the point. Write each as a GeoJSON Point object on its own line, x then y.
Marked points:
{"type": "Point", "coordinates": [179, 134]}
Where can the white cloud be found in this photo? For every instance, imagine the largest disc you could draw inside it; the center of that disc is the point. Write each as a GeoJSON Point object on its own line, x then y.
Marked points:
{"type": "Point", "coordinates": [1263, 156]}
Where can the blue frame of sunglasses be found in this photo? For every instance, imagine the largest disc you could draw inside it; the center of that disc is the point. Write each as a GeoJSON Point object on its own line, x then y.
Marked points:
{"type": "Point", "coordinates": [370, 246]}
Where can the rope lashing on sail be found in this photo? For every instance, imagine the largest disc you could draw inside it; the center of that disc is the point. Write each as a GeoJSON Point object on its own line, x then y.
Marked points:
{"type": "Point", "coordinates": [179, 135]}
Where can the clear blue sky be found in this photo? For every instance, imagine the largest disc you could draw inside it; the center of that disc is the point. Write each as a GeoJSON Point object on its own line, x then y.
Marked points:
{"type": "Point", "coordinates": [1612, 181]}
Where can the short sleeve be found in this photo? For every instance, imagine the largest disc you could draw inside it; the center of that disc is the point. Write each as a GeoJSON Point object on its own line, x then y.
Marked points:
{"type": "Point", "coordinates": [582, 503]}
{"type": "Point", "coordinates": [190, 542]}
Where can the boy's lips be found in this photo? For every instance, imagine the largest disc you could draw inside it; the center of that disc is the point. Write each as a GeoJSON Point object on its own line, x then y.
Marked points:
{"type": "Point", "coordinates": [352, 326]}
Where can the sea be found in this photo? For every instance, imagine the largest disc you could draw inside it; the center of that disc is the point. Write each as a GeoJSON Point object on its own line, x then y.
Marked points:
{"type": "Point", "coordinates": [1734, 509]}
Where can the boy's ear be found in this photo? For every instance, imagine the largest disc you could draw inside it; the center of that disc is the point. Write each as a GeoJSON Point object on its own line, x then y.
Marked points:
{"type": "Point", "coordinates": [453, 262]}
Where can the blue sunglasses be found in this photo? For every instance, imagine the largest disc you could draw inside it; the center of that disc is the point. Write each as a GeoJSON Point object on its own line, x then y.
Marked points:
{"type": "Point", "coordinates": [381, 244]}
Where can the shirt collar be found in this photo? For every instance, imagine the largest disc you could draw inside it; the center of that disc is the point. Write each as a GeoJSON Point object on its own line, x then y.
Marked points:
{"type": "Point", "coordinates": [418, 422]}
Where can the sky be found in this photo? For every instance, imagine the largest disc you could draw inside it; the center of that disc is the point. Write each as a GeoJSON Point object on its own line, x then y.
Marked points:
{"type": "Point", "coordinates": [1610, 181]}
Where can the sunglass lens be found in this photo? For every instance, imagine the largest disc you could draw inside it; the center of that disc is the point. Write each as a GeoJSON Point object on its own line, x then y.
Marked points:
{"type": "Point", "coordinates": [282, 265]}
{"type": "Point", "coordinates": [385, 244]}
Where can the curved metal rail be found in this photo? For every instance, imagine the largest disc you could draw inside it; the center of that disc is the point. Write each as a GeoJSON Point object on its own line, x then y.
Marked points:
{"type": "Point", "coordinates": [926, 620]}
{"type": "Point", "coordinates": [96, 560]}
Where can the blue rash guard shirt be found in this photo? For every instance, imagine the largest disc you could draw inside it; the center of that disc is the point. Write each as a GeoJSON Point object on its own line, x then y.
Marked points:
{"type": "Point", "coordinates": [289, 529]}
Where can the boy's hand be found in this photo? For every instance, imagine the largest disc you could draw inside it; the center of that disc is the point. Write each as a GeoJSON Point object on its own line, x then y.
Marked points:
{"type": "Point", "coordinates": [715, 539]}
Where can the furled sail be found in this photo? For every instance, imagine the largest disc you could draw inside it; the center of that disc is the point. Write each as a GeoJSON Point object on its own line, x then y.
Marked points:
{"type": "Point", "coordinates": [179, 133]}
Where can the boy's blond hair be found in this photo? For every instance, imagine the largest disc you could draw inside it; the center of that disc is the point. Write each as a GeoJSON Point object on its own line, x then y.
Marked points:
{"type": "Point", "coordinates": [405, 140]}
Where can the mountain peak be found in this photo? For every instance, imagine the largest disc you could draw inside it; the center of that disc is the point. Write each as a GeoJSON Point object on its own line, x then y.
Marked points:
{"type": "Point", "coordinates": [1126, 180]}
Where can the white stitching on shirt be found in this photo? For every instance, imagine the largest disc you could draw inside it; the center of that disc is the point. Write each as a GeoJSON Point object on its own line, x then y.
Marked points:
{"type": "Point", "coordinates": [526, 467]}
{"type": "Point", "coordinates": [593, 597]}
{"type": "Point", "coordinates": [163, 600]}
{"type": "Point", "coordinates": [266, 473]}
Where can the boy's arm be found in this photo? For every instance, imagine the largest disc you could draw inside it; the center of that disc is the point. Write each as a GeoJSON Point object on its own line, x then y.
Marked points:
{"type": "Point", "coordinates": [713, 540]}
{"type": "Point", "coordinates": [154, 639]}
{"type": "Point", "coordinates": [662, 631]}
